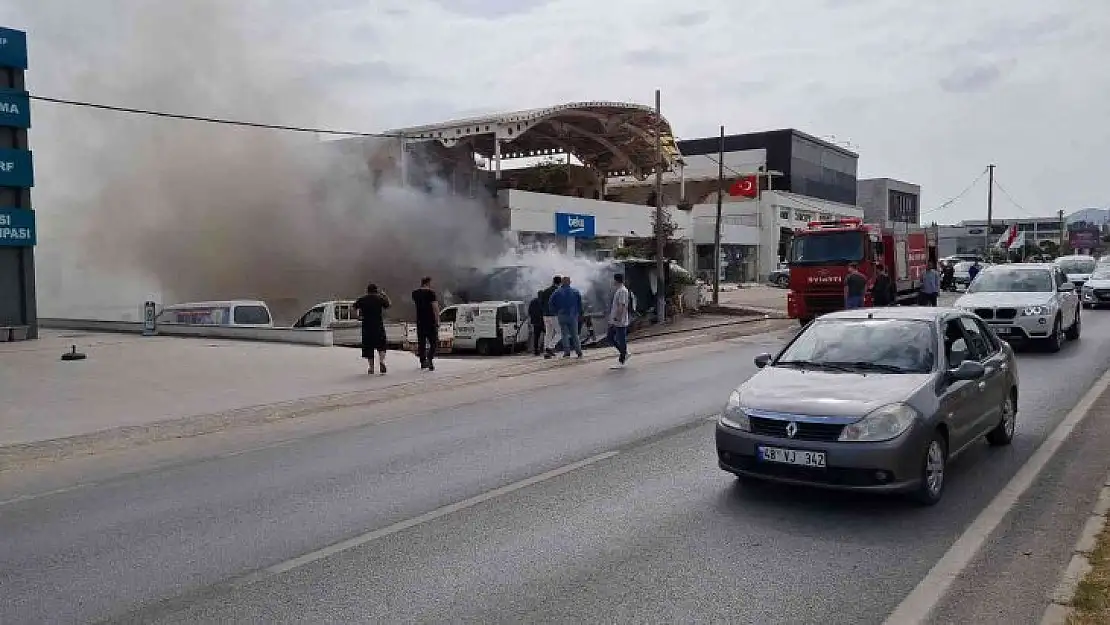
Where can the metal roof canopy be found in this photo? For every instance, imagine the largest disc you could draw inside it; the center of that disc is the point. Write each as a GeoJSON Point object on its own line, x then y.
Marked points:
{"type": "Point", "coordinates": [614, 138]}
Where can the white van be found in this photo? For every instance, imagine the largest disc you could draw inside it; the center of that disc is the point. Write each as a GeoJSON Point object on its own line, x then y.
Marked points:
{"type": "Point", "coordinates": [488, 327]}
{"type": "Point", "coordinates": [233, 313]}
{"type": "Point", "coordinates": [341, 318]}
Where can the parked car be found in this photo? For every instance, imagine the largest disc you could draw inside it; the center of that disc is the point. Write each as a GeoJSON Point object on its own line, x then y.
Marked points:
{"type": "Point", "coordinates": [780, 276]}
{"type": "Point", "coordinates": [961, 274]}
{"type": "Point", "coordinates": [1026, 302]}
{"type": "Point", "coordinates": [873, 400]}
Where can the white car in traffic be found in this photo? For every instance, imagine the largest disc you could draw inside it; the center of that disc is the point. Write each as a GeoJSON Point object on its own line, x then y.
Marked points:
{"type": "Point", "coordinates": [1096, 290]}
{"type": "Point", "coordinates": [1077, 268]}
{"type": "Point", "coordinates": [1026, 302]}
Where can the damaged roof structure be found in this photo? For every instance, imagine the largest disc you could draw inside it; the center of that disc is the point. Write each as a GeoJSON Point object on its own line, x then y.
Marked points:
{"type": "Point", "coordinates": [612, 138]}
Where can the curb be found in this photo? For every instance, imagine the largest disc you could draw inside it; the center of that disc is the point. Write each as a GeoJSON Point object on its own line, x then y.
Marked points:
{"type": "Point", "coordinates": [113, 439]}
{"type": "Point", "coordinates": [1060, 609]}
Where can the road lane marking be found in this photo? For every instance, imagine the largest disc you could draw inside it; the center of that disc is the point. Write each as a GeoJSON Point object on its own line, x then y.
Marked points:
{"type": "Point", "coordinates": [920, 603]}
{"type": "Point", "coordinates": [427, 517]}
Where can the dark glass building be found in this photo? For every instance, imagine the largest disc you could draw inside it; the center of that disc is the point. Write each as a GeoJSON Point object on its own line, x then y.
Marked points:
{"type": "Point", "coordinates": [809, 165]}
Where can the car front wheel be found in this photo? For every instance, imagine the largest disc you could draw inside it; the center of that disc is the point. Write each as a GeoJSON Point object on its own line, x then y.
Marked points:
{"type": "Point", "coordinates": [1076, 327]}
{"type": "Point", "coordinates": [1055, 341]}
{"type": "Point", "coordinates": [933, 471]}
{"type": "Point", "coordinates": [1003, 433]}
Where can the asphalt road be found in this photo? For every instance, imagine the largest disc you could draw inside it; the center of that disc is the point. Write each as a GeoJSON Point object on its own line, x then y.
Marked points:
{"type": "Point", "coordinates": [646, 530]}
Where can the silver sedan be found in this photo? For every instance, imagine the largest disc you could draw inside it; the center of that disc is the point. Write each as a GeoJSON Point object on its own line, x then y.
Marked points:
{"type": "Point", "coordinates": [873, 400]}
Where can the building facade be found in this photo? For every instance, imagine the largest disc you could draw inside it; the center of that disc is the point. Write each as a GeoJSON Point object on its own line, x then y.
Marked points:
{"type": "Point", "coordinates": [889, 202]}
{"type": "Point", "coordinates": [971, 236]}
{"type": "Point", "coordinates": [809, 166]}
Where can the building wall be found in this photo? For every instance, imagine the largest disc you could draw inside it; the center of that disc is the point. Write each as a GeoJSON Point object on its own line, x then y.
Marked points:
{"type": "Point", "coordinates": [810, 166]}
{"type": "Point", "coordinates": [888, 201]}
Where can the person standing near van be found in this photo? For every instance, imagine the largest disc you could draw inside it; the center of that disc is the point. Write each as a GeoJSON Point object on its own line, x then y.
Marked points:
{"type": "Point", "coordinates": [536, 318]}
{"type": "Point", "coordinates": [427, 323]}
{"type": "Point", "coordinates": [882, 292]}
{"type": "Point", "coordinates": [566, 302]}
{"type": "Point", "coordinates": [371, 310]}
{"type": "Point", "coordinates": [930, 286]}
{"type": "Point", "coordinates": [550, 321]}
{"type": "Point", "coordinates": [619, 319]}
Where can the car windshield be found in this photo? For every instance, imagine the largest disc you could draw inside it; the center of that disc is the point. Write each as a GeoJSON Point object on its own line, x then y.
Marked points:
{"type": "Point", "coordinates": [876, 345]}
{"type": "Point", "coordinates": [830, 247]}
{"type": "Point", "coordinates": [1007, 280]}
{"type": "Point", "coordinates": [1077, 265]}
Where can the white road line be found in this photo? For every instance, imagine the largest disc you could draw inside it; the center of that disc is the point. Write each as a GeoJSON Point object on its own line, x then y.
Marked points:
{"type": "Point", "coordinates": [438, 513]}
{"type": "Point", "coordinates": [919, 604]}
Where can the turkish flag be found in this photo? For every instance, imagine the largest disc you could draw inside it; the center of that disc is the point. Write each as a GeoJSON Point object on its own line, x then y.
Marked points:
{"type": "Point", "coordinates": [748, 186]}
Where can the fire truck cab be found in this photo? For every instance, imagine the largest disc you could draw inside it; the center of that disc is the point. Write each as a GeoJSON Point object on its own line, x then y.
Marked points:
{"type": "Point", "coordinates": [819, 255]}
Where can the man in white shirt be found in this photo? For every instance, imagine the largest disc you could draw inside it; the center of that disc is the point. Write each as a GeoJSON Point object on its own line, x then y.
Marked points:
{"type": "Point", "coordinates": [620, 315]}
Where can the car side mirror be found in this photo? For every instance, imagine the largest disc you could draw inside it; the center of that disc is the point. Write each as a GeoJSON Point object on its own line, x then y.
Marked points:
{"type": "Point", "coordinates": [762, 360]}
{"type": "Point", "coordinates": [968, 370]}
{"type": "Point", "coordinates": [1067, 287]}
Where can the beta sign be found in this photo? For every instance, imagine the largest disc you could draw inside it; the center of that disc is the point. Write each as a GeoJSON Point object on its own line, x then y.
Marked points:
{"type": "Point", "coordinates": [17, 227]}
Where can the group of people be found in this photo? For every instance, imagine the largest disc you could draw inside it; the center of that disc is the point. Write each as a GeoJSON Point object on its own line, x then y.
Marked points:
{"type": "Point", "coordinates": [884, 292]}
{"type": "Point", "coordinates": [371, 310]}
{"type": "Point", "coordinates": [556, 316]}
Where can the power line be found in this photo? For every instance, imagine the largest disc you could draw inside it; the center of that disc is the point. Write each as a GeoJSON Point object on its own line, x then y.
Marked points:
{"type": "Point", "coordinates": [959, 195]}
{"type": "Point", "coordinates": [1009, 197]}
{"type": "Point", "coordinates": [209, 120]}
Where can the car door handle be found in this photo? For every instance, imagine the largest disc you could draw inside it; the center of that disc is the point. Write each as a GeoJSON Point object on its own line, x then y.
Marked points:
{"type": "Point", "coordinates": [982, 386]}
{"type": "Point", "coordinates": [1004, 366]}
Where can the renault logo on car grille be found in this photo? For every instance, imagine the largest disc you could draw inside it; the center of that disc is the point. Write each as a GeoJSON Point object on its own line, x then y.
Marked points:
{"type": "Point", "coordinates": [791, 429]}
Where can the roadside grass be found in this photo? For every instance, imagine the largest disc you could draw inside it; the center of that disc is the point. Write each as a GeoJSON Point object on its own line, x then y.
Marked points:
{"type": "Point", "coordinates": [1091, 604]}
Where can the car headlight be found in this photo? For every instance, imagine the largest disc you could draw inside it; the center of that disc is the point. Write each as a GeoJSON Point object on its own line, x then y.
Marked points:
{"type": "Point", "coordinates": [1035, 311]}
{"type": "Point", "coordinates": [881, 424]}
{"type": "Point", "coordinates": [733, 416]}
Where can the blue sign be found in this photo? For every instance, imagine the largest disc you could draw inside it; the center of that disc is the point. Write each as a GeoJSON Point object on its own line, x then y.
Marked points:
{"type": "Point", "coordinates": [13, 48]}
{"type": "Point", "coordinates": [570, 225]}
{"type": "Point", "coordinates": [15, 109]}
{"type": "Point", "coordinates": [16, 169]}
{"type": "Point", "coordinates": [17, 227]}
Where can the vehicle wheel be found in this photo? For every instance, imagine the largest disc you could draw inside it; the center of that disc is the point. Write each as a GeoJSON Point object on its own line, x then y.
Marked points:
{"type": "Point", "coordinates": [1076, 327]}
{"type": "Point", "coordinates": [782, 281]}
{"type": "Point", "coordinates": [933, 466]}
{"type": "Point", "coordinates": [1003, 433]}
{"type": "Point", "coordinates": [1055, 341]}
{"type": "Point", "coordinates": [484, 347]}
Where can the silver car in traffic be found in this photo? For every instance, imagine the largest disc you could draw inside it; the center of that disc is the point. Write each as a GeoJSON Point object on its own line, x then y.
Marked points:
{"type": "Point", "coordinates": [874, 400]}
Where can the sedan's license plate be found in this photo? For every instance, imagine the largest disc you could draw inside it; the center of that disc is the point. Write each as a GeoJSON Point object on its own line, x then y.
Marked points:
{"type": "Point", "coordinates": [793, 456]}
{"type": "Point", "coordinates": [1001, 331]}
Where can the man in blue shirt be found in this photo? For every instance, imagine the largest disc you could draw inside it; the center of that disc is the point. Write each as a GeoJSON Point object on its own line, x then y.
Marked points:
{"type": "Point", "coordinates": [566, 302]}
{"type": "Point", "coordinates": [930, 286]}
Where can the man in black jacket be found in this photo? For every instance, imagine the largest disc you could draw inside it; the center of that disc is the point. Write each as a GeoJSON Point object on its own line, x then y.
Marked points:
{"type": "Point", "coordinates": [882, 293]}
{"type": "Point", "coordinates": [550, 321]}
{"type": "Point", "coordinates": [535, 316]}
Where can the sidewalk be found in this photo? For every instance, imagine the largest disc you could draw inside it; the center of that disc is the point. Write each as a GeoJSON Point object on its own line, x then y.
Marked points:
{"type": "Point", "coordinates": [1083, 594]}
{"type": "Point", "coordinates": [134, 390]}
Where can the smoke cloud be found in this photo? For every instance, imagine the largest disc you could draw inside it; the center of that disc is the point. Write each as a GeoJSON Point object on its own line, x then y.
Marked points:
{"type": "Point", "coordinates": [134, 208]}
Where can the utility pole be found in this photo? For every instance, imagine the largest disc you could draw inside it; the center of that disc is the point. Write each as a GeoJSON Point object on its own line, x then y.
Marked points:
{"type": "Point", "coordinates": [660, 244]}
{"type": "Point", "coordinates": [1063, 231]}
{"type": "Point", "coordinates": [717, 226]}
{"type": "Point", "coordinates": [990, 209]}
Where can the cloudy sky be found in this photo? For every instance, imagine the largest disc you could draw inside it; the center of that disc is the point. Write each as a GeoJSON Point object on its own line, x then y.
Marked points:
{"type": "Point", "coordinates": [928, 92]}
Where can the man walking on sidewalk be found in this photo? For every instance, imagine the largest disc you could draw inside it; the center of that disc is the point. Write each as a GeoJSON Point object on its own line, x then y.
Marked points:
{"type": "Point", "coordinates": [566, 302]}
{"type": "Point", "coordinates": [619, 318]}
{"type": "Point", "coordinates": [427, 324]}
{"type": "Point", "coordinates": [550, 321]}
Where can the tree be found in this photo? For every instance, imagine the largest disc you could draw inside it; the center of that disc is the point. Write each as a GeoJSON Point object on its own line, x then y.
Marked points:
{"type": "Point", "coordinates": [645, 248]}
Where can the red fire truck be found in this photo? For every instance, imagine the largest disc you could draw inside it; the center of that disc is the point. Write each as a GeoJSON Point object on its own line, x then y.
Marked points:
{"type": "Point", "coordinates": [819, 255]}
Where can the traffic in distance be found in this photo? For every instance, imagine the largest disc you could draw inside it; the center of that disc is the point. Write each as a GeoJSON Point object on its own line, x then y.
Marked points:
{"type": "Point", "coordinates": [880, 398]}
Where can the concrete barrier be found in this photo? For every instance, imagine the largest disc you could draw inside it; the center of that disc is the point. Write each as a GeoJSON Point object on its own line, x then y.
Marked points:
{"type": "Point", "coordinates": [297, 336]}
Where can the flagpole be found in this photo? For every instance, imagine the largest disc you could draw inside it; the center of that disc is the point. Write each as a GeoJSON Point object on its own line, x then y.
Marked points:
{"type": "Point", "coordinates": [990, 209]}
